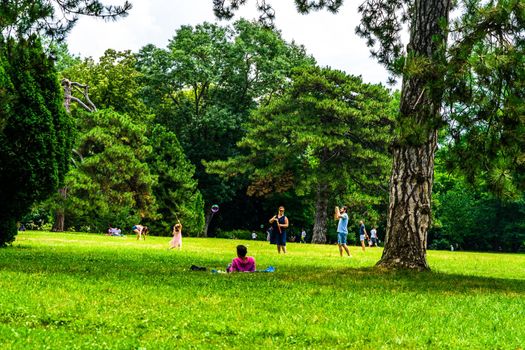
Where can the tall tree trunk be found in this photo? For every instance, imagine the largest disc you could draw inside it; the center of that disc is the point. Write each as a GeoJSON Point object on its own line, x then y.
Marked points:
{"type": "Point", "coordinates": [58, 225]}
{"type": "Point", "coordinates": [321, 215]}
{"type": "Point", "coordinates": [413, 163]}
{"type": "Point", "coordinates": [409, 208]}
{"type": "Point", "coordinates": [207, 221]}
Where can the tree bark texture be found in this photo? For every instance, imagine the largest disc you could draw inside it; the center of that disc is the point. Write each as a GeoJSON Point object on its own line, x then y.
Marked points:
{"type": "Point", "coordinates": [409, 211]}
{"type": "Point", "coordinates": [207, 221]}
{"type": "Point", "coordinates": [58, 225]}
{"type": "Point", "coordinates": [409, 208]}
{"type": "Point", "coordinates": [321, 216]}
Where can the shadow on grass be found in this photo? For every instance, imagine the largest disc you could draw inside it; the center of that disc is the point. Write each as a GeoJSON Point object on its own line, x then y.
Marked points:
{"type": "Point", "coordinates": [137, 265]}
{"type": "Point", "coordinates": [373, 278]}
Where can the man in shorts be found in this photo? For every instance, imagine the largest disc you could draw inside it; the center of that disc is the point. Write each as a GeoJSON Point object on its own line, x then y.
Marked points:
{"type": "Point", "coordinates": [342, 230]}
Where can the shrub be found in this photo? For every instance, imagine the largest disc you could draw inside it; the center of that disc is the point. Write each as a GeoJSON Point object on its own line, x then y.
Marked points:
{"type": "Point", "coordinates": [235, 234]}
{"type": "Point", "coordinates": [440, 244]}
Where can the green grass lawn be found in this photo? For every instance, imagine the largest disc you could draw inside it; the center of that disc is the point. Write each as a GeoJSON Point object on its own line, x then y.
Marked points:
{"type": "Point", "coordinates": [82, 291]}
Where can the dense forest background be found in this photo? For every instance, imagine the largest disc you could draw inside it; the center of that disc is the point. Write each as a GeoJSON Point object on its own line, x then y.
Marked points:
{"type": "Point", "coordinates": [238, 117]}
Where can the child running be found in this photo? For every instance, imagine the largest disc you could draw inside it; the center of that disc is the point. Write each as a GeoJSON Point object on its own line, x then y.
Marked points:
{"type": "Point", "coordinates": [176, 242]}
{"type": "Point", "coordinates": [242, 263]}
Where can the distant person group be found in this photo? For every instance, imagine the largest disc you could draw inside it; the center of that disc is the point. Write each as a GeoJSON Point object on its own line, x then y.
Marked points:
{"type": "Point", "coordinates": [342, 232]}
{"type": "Point", "coordinates": [277, 235]}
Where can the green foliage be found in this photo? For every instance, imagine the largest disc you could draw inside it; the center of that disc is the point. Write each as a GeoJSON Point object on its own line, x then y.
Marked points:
{"type": "Point", "coordinates": [236, 234]}
{"type": "Point", "coordinates": [327, 125]}
{"type": "Point", "coordinates": [53, 18]}
{"type": "Point", "coordinates": [63, 58]}
{"type": "Point", "coordinates": [36, 136]}
{"type": "Point", "coordinates": [472, 218]}
{"type": "Point", "coordinates": [33, 117]}
{"type": "Point", "coordinates": [212, 76]}
{"type": "Point", "coordinates": [6, 99]}
{"type": "Point", "coordinates": [112, 184]}
{"type": "Point", "coordinates": [475, 220]}
{"type": "Point", "coordinates": [113, 82]}
{"type": "Point", "coordinates": [203, 87]}
{"type": "Point", "coordinates": [38, 218]}
{"type": "Point", "coordinates": [485, 102]}
{"type": "Point", "coordinates": [68, 291]}
{"type": "Point", "coordinates": [327, 130]}
{"type": "Point", "coordinates": [176, 190]}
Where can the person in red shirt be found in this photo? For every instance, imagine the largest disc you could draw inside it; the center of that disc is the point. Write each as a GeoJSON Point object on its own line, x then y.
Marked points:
{"type": "Point", "coordinates": [242, 263]}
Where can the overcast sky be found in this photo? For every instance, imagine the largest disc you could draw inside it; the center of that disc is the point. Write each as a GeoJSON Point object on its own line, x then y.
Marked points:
{"type": "Point", "coordinates": [328, 37]}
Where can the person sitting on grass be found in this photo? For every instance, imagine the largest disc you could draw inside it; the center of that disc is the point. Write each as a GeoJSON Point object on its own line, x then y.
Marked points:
{"type": "Point", "coordinates": [114, 231]}
{"type": "Point", "coordinates": [242, 263]}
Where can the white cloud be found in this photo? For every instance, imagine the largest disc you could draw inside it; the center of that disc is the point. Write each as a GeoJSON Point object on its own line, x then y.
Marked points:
{"type": "Point", "coordinates": [328, 37]}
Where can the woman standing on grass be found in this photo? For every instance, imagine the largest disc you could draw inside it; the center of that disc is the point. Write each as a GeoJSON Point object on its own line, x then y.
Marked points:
{"type": "Point", "coordinates": [176, 242]}
{"type": "Point", "coordinates": [279, 224]}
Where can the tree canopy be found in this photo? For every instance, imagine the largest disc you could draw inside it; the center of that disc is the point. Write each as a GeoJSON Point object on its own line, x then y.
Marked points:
{"type": "Point", "coordinates": [325, 131]}
{"type": "Point", "coordinates": [35, 132]}
{"type": "Point", "coordinates": [52, 18]}
{"type": "Point", "coordinates": [204, 85]}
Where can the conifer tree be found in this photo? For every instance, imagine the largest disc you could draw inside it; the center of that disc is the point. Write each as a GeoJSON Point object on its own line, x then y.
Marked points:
{"type": "Point", "coordinates": [35, 140]}
{"type": "Point", "coordinates": [52, 18]}
{"type": "Point", "coordinates": [176, 192]}
{"type": "Point", "coordinates": [424, 66]}
{"type": "Point", "coordinates": [328, 129]}
{"type": "Point", "coordinates": [34, 130]}
{"type": "Point", "coordinates": [113, 183]}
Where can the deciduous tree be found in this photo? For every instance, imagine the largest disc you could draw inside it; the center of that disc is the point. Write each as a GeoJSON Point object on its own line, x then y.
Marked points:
{"type": "Point", "coordinates": [204, 86]}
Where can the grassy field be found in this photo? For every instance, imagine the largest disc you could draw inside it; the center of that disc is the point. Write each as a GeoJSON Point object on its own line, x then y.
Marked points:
{"type": "Point", "coordinates": [80, 291]}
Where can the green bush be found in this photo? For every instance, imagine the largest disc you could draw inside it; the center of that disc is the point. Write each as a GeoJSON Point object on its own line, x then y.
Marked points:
{"type": "Point", "coordinates": [440, 244]}
{"type": "Point", "coordinates": [235, 234]}
{"type": "Point", "coordinates": [37, 219]}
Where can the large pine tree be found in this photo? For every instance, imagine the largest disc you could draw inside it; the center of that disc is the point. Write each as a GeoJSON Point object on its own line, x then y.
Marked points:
{"type": "Point", "coordinates": [425, 66]}
{"type": "Point", "coordinates": [327, 130]}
